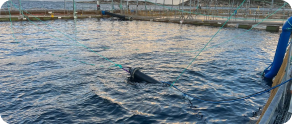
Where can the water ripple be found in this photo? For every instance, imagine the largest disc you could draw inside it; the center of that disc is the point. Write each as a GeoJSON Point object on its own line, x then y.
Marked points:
{"type": "Point", "coordinates": [45, 80]}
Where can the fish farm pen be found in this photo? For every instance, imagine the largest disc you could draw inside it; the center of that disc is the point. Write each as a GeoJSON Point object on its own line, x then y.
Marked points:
{"type": "Point", "coordinates": [146, 61]}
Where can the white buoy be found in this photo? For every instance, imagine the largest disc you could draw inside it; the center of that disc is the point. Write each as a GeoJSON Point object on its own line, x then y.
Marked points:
{"type": "Point", "coordinates": [1, 121]}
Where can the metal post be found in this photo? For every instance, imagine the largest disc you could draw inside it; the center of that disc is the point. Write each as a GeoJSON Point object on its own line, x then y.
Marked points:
{"type": "Point", "coordinates": [194, 9]}
{"type": "Point", "coordinates": [155, 6]}
{"type": "Point", "coordinates": [172, 5]}
{"type": "Point", "coordinates": [121, 6]}
{"type": "Point", "coordinates": [74, 16]}
{"type": "Point", "coordinates": [183, 4]}
{"type": "Point", "coordinates": [190, 2]}
{"type": "Point", "coordinates": [190, 10]}
{"type": "Point", "coordinates": [229, 8]}
{"type": "Point", "coordinates": [97, 5]}
{"type": "Point", "coordinates": [19, 7]}
{"type": "Point", "coordinates": [128, 6]}
{"type": "Point", "coordinates": [232, 7]}
{"type": "Point", "coordinates": [113, 5]}
{"type": "Point", "coordinates": [64, 7]}
{"type": "Point", "coordinates": [272, 5]}
{"type": "Point", "coordinates": [137, 7]}
{"type": "Point", "coordinates": [163, 6]}
{"type": "Point", "coordinates": [179, 4]}
{"type": "Point", "coordinates": [145, 5]}
{"type": "Point", "coordinates": [10, 5]}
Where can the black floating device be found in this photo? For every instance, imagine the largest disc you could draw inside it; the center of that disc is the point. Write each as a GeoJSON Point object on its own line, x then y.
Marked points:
{"type": "Point", "coordinates": [137, 75]}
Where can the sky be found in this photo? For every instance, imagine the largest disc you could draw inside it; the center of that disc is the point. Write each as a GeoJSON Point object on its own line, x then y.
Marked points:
{"type": "Point", "coordinates": [158, 1]}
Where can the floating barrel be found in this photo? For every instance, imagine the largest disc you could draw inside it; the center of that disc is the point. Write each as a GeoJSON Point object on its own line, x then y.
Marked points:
{"type": "Point", "coordinates": [137, 75]}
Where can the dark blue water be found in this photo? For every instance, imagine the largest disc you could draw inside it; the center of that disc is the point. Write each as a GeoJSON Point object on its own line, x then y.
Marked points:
{"type": "Point", "coordinates": [47, 77]}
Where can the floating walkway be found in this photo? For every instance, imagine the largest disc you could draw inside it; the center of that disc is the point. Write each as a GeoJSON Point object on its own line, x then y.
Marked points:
{"type": "Point", "coordinates": [272, 26]}
{"type": "Point", "coordinates": [36, 15]}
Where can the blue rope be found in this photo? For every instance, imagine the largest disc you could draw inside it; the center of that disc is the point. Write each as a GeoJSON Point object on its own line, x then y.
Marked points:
{"type": "Point", "coordinates": [237, 35]}
{"type": "Point", "coordinates": [227, 100]}
{"type": "Point", "coordinates": [207, 44]}
{"type": "Point", "coordinates": [11, 22]}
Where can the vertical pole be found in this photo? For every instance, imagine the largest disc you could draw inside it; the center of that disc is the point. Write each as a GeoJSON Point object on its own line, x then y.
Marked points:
{"type": "Point", "coordinates": [121, 6]}
{"type": "Point", "coordinates": [97, 5]}
{"type": "Point", "coordinates": [172, 7]}
{"type": "Point", "coordinates": [19, 4]}
{"type": "Point", "coordinates": [128, 5]}
{"type": "Point", "coordinates": [229, 7]}
{"type": "Point", "coordinates": [179, 4]}
{"type": "Point", "coordinates": [190, 12]}
{"type": "Point", "coordinates": [190, 2]}
{"type": "Point", "coordinates": [64, 7]}
{"type": "Point", "coordinates": [194, 9]}
{"type": "Point", "coordinates": [273, 5]}
{"type": "Point", "coordinates": [73, 8]}
{"type": "Point", "coordinates": [145, 5]}
{"type": "Point", "coordinates": [232, 7]}
{"type": "Point", "coordinates": [113, 5]}
{"type": "Point", "coordinates": [216, 5]}
{"type": "Point", "coordinates": [155, 5]}
{"type": "Point", "coordinates": [179, 9]}
{"type": "Point", "coordinates": [137, 8]}
{"type": "Point", "coordinates": [10, 5]}
{"type": "Point", "coordinates": [163, 6]}
{"type": "Point", "coordinates": [183, 4]}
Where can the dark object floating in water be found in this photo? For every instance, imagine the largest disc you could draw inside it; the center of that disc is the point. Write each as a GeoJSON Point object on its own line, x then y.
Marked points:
{"type": "Point", "coordinates": [122, 17]}
{"type": "Point", "coordinates": [137, 75]}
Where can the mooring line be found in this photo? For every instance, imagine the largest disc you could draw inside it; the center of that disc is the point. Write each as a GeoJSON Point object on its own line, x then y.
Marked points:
{"type": "Point", "coordinates": [11, 21]}
{"type": "Point", "coordinates": [239, 34]}
{"type": "Point", "coordinates": [207, 43]}
{"type": "Point", "coordinates": [218, 31]}
{"type": "Point", "coordinates": [221, 101]}
{"type": "Point", "coordinates": [189, 97]}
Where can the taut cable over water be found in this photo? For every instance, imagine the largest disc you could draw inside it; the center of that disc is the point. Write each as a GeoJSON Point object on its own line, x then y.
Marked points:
{"type": "Point", "coordinates": [172, 84]}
